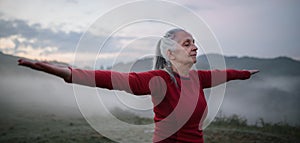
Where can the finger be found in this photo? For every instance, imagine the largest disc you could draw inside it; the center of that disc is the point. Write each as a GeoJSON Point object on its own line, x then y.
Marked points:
{"type": "Point", "coordinates": [43, 66]}
{"type": "Point", "coordinates": [29, 64]}
{"type": "Point", "coordinates": [254, 71]}
{"type": "Point", "coordinates": [20, 61]}
{"type": "Point", "coordinates": [24, 63]}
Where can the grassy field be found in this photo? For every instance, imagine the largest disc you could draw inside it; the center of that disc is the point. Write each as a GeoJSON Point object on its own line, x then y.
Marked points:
{"type": "Point", "coordinates": [33, 127]}
{"type": "Point", "coordinates": [234, 129]}
{"type": "Point", "coordinates": [43, 128]}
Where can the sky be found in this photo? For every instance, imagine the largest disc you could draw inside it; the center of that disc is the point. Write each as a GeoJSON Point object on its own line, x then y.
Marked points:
{"type": "Point", "coordinates": [51, 30]}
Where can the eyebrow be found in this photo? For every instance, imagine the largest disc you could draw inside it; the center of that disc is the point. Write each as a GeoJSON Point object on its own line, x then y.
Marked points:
{"type": "Point", "coordinates": [189, 39]}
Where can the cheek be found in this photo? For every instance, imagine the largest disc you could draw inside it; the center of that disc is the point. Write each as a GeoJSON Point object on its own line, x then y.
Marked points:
{"type": "Point", "coordinates": [180, 53]}
{"type": "Point", "coordinates": [188, 50]}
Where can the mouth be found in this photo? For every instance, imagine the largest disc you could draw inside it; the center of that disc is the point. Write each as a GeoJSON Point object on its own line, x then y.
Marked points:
{"type": "Point", "coordinates": [193, 55]}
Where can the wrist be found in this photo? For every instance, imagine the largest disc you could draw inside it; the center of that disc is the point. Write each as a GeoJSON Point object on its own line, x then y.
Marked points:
{"type": "Point", "coordinates": [67, 74]}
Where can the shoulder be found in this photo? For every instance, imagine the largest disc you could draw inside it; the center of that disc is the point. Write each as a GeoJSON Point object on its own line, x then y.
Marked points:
{"type": "Point", "coordinates": [201, 73]}
{"type": "Point", "coordinates": [198, 72]}
{"type": "Point", "coordinates": [161, 73]}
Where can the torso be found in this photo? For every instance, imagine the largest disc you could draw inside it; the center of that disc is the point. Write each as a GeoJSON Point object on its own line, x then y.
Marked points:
{"type": "Point", "coordinates": [178, 114]}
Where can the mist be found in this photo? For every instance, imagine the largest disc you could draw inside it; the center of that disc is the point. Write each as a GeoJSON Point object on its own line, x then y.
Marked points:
{"type": "Point", "coordinates": [271, 95]}
{"type": "Point", "coordinates": [37, 94]}
{"type": "Point", "coordinates": [272, 99]}
{"type": "Point", "coordinates": [28, 91]}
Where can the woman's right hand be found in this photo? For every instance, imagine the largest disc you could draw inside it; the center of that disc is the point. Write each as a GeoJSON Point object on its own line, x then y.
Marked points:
{"type": "Point", "coordinates": [62, 72]}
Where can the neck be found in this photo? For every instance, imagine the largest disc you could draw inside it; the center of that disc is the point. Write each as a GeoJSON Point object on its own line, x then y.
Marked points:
{"type": "Point", "coordinates": [181, 69]}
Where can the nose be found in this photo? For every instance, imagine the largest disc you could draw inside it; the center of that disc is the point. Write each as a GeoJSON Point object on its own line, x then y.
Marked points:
{"type": "Point", "coordinates": [194, 47]}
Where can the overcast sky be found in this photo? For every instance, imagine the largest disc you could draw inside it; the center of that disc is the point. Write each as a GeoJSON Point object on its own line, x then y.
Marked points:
{"type": "Point", "coordinates": [50, 30]}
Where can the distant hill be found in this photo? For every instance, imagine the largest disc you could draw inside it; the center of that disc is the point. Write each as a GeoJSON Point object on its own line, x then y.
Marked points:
{"type": "Point", "coordinates": [280, 66]}
{"type": "Point", "coordinates": [9, 65]}
{"type": "Point", "coordinates": [270, 67]}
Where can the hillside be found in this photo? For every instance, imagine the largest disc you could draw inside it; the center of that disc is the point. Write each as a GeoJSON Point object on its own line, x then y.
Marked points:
{"type": "Point", "coordinates": [280, 66]}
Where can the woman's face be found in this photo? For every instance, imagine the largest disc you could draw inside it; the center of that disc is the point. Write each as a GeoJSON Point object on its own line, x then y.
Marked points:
{"type": "Point", "coordinates": [186, 50]}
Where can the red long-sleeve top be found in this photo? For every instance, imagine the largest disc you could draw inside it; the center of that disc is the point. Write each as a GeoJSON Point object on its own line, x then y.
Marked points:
{"type": "Point", "coordinates": [179, 109]}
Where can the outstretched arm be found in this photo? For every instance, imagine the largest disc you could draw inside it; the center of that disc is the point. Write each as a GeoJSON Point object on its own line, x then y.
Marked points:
{"type": "Point", "coordinates": [136, 83]}
{"type": "Point", "coordinates": [63, 72]}
{"type": "Point", "coordinates": [210, 78]}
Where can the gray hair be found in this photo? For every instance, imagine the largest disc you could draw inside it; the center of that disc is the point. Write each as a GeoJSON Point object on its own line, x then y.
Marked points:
{"type": "Point", "coordinates": [161, 60]}
{"type": "Point", "coordinates": [166, 43]}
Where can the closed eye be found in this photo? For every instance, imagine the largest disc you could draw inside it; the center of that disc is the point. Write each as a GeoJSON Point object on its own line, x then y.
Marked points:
{"type": "Point", "coordinates": [188, 42]}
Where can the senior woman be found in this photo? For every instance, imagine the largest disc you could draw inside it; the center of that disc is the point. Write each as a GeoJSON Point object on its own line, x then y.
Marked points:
{"type": "Point", "coordinates": [176, 90]}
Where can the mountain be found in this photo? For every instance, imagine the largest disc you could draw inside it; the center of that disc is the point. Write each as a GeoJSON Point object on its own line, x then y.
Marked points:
{"type": "Point", "coordinates": [280, 66]}
{"type": "Point", "coordinates": [268, 67]}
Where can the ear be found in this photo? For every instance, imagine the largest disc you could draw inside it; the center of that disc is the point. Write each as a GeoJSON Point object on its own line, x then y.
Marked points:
{"type": "Point", "coordinates": [170, 54]}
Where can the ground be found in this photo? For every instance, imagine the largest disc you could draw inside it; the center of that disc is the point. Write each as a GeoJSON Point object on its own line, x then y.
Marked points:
{"type": "Point", "coordinates": [33, 127]}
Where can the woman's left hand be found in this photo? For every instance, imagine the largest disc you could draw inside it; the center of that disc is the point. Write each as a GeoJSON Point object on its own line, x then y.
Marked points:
{"type": "Point", "coordinates": [253, 71]}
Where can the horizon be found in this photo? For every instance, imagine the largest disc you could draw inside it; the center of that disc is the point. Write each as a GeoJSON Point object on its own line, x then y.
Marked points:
{"type": "Point", "coordinates": [134, 60]}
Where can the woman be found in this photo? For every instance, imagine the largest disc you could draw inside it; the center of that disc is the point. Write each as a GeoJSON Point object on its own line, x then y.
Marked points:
{"type": "Point", "coordinates": [176, 90]}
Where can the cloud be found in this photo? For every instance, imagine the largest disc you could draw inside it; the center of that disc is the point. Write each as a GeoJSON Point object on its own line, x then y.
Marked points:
{"type": "Point", "coordinates": [20, 46]}
{"type": "Point", "coordinates": [19, 38]}
{"type": "Point", "coordinates": [36, 51]}
{"type": "Point", "coordinates": [59, 15]}
{"type": "Point", "coordinates": [44, 37]}
{"type": "Point", "coordinates": [7, 45]}
{"type": "Point", "coordinates": [11, 44]}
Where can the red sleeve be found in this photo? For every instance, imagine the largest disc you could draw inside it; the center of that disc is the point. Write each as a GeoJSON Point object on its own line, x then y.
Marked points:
{"type": "Point", "coordinates": [135, 83]}
{"type": "Point", "coordinates": [210, 78]}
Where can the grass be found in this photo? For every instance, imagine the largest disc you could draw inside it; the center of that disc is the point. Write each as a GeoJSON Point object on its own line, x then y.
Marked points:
{"type": "Point", "coordinates": [48, 129]}
{"type": "Point", "coordinates": [235, 129]}
{"type": "Point", "coordinates": [51, 128]}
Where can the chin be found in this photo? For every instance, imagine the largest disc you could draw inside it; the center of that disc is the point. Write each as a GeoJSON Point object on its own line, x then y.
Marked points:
{"type": "Point", "coordinates": [195, 58]}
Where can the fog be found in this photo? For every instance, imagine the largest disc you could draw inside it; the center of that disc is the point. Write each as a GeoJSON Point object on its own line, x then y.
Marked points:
{"type": "Point", "coordinates": [42, 93]}
{"type": "Point", "coordinates": [272, 99]}
{"type": "Point", "coordinates": [24, 91]}
{"type": "Point", "coordinates": [38, 94]}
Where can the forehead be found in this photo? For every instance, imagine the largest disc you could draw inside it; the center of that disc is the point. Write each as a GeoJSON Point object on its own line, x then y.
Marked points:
{"type": "Point", "coordinates": [182, 36]}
